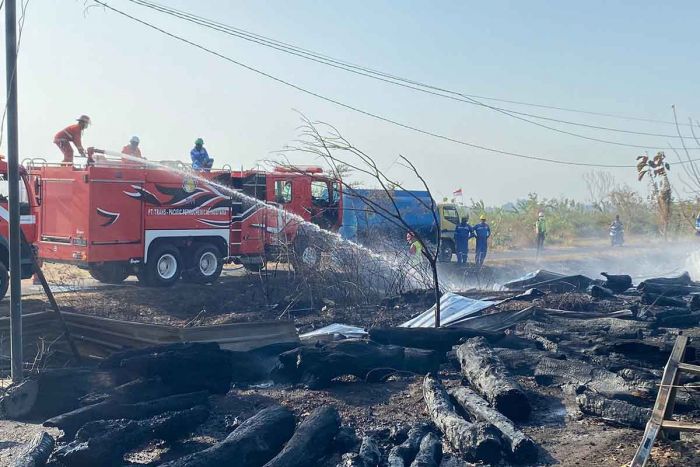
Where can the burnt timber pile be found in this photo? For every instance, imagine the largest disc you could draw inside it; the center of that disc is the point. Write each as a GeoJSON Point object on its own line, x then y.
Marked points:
{"type": "Point", "coordinates": [601, 353]}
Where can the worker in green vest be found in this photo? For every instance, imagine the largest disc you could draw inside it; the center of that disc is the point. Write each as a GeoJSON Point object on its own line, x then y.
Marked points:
{"type": "Point", "coordinates": [415, 249]}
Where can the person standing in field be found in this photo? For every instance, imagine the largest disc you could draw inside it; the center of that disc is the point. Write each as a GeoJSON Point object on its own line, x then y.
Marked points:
{"type": "Point", "coordinates": [540, 231]}
{"type": "Point", "coordinates": [463, 233]}
{"type": "Point", "coordinates": [482, 232]}
{"type": "Point", "coordinates": [415, 249]}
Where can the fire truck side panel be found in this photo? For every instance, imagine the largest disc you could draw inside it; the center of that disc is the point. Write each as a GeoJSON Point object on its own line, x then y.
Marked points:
{"type": "Point", "coordinates": [116, 220]}
{"type": "Point", "coordinates": [63, 214]}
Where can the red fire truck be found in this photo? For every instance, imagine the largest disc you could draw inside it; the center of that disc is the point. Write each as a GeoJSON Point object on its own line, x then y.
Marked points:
{"type": "Point", "coordinates": [118, 218]}
{"type": "Point", "coordinates": [27, 206]}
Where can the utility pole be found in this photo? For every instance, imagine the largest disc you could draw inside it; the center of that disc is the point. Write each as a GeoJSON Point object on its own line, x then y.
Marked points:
{"type": "Point", "coordinates": [13, 192]}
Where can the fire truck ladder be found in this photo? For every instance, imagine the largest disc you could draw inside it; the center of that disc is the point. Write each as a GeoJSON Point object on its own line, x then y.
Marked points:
{"type": "Point", "coordinates": [661, 421]}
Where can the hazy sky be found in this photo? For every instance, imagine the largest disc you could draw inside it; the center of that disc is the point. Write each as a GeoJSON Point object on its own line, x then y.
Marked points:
{"type": "Point", "coordinates": [621, 57]}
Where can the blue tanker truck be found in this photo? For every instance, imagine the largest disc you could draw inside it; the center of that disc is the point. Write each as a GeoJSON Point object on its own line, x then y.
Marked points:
{"type": "Point", "coordinates": [365, 224]}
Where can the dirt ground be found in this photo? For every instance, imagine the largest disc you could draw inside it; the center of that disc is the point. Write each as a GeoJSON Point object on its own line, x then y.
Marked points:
{"type": "Point", "coordinates": [565, 436]}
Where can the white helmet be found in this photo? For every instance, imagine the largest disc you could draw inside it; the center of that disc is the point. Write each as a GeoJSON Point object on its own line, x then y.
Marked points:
{"type": "Point", "coordinates": [134, 140]}
{"type": "Point", "coordinates": [541, 214]}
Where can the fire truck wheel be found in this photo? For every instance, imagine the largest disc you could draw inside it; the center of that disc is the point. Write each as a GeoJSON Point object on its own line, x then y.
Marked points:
{"type": "Point", "coordinates": [164, 266]}
{"type": "Point", "coordinates": [109, 273]}
{"type": "Point", "coordinates": [4, 280]}
{"type": "Point", "coordinates": [205, 265]}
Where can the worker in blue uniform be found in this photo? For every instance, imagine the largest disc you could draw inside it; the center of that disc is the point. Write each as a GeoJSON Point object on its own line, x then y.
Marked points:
{"type": "Point", "coordinates": [200, 156]}
{"type": "Point", "coordinates": [482, 232]}
{"type": "Point", "coordinates": [463, 233]}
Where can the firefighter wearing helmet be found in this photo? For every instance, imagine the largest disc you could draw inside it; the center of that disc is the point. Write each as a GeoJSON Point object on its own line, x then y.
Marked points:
{"type": "Point", "coordinates": [132, 149]}
{"type": "Point", "coordinates": [200, 156]}
{"type": "Point", "coordinates": [72, 134]}
{"type": "Point", "coordinates": [482, 232]}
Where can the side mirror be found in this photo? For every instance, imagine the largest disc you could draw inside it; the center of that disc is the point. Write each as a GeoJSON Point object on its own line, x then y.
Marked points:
{"type": "Point", "coordinates": [37, 190]}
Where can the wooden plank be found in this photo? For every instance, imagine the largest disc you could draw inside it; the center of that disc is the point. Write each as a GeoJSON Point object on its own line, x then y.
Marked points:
{"type": "Point", "coordinates": [664, 402]}
{"type": "Point", "coordinates": [680, 426]}
{"type": "Point", "coordinates": [689, 368]}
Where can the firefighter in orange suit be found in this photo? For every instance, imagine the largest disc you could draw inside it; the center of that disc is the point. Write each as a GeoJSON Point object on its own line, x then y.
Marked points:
{"type": "Point", "coordinates": [72, 134]}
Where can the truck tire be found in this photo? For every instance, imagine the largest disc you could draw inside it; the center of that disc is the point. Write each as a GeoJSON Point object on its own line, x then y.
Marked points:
{"type": "Point", "coordinates": [4, 280]}
{"type": "Point", "coordinates": [109, 273]}
{"type": "Point", "coordinates": [164, 266]}
{"type": "Point", "coordinates": [446, 251]}
{"type": "Point", "coordinates": [205, 264]}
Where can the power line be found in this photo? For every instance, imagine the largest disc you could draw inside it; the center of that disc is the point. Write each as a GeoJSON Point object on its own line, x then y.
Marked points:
{"type": "Point", "coordinates": [399, 81]}
{"type": "Point", "coordinates": [353, 108]}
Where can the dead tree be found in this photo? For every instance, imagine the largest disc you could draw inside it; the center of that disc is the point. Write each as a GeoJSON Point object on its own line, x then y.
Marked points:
{"type": "Point", "coordinates": [311, 441]}
{"type": "Point", "coordinates": [487, 374]}
{"type": "Point", "coordinates": [337, 152]}
{"type": "Point", "coordinates": [475, 441]}
{"type": "Point", "coordinates": [252, 444]}
{"type": "Point", "coordinates": [520, 447]}
{"type": "Point", "coordinates": [36, 452]}
{"type": "Point", "coordinates": [656, 170]}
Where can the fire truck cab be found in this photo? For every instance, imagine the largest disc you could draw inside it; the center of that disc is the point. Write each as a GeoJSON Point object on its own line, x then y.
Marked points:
{"type": "Point", "coordinates": [165, 222]}
{"type": "Point", "coordinates": [27, 205]}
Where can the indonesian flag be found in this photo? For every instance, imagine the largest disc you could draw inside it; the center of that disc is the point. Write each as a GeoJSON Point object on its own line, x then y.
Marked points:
{"type": "Point", "coordinates": [457, 192]}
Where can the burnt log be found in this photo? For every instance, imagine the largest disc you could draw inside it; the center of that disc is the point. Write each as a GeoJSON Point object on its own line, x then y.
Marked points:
{"type": "Point", "coordinates": [311, 441]}
{"type": "Point", "coordinates": [368, 456]}
{"type": "Point", "coordinates": [403, 454]}
{"type": "Point", "coordinates": [475, 441]}
{"type": "Point", "coordinates": [523, 362]}
{"type": "Point", "coordinates": [667, 290]}
{"type": "Point", "coordinates": [36, 452]}
{"type": "Point", "coordinates": [185, 367]}
{"type": "Point", "coordinates": [252, 444]}
{"type": "Point", "coordinates": [440, 339]}
{"type": "Point", "coordinates": [520, 447]}
{"type": "Point", "coordinates": [683, 279]}
{"type": "Point", "coordinates": [487, 374]}
{"type": "Point", "coordinates": [315, 367]}
{"type": "Point", "coordinates": [615, 412]}
{"type": "Point", "coordinates": [70, 422]}
{"type": "Point", "coordinates": [679, 321]}
{"type": "Point", "coordinates": [554, 327]}
{"type": "Point", "coordinates": [617, 283]}
{"type": "Point", "coordinates": [694, 304]}
{"type": "Point", "coordinates": [655, 299]}
{"type": "Point", "coordinates": [551, 372]}
{"type": "Point", "coordinates": [600, 292]}
{"type": "Point", "coordinates": [105, 442]}
{"type": "Point", "coordinates": [430, 452]}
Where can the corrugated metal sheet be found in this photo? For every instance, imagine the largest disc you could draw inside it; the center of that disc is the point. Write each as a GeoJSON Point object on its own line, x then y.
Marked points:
{"type": "Point", "coordinates": [98, 337]}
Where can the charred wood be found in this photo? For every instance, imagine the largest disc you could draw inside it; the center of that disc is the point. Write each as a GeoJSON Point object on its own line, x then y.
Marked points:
{"type": "Point", "coordinates": [403, 454]}
{"type": "Point", "coordinates": [252, 444]}
{"type": "Point", "coordinates": [615, 412]}
{"type": "Point", "coordinates": [184, 367]}
{"type": "Point", "coordinates": [487, 374]}
{"type": "Point", "coordinates": [617, 283]}
{"type": "Point", "coordinates": [311, 441]}
{"type": "Point", "coordinates": [70, 422]}
{"type": "Point", "coordinates": [369, 455]}
{"type": "Point", "coordinates": [475, 441]}
{"type": "Point", "coordinates": [36, 452]}
{"type": "Point", "coordinates": [430, 452]}
{"type": "Point", "coordinates": [441, 339]}
{"type": "Point", "coordinates": [19, 400]}
{"type": "Point", "coordinates": [105, 442]}
{"type": "Point", "coordinates": [580, 374]}
{"type": "Point", "coordinates": [520, 447]}
{"type": "Point", "coordinates": [315, 367]}
{"type": "Point", "coordinates": [656, 299]}
{"type": "Point", "coordinates": [600, 292]}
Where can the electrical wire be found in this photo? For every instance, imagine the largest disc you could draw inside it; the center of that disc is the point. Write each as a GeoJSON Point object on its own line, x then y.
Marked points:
{"type": "Point", "coordinates": [393, 79]}
{"type": "Point", "coordinates": [357, 109]}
